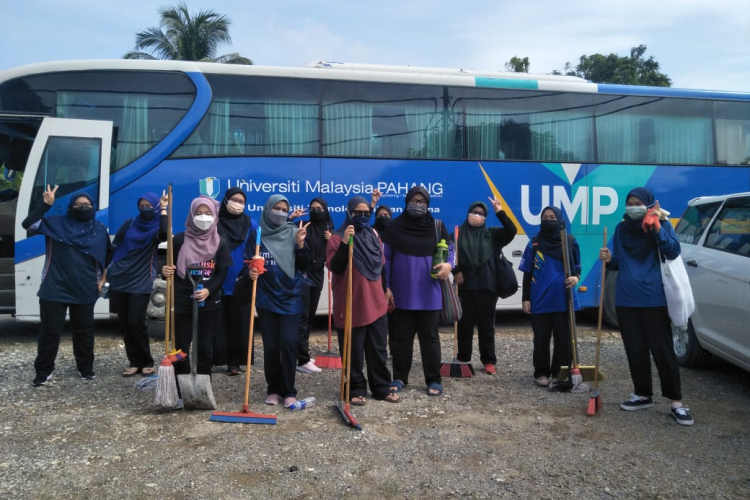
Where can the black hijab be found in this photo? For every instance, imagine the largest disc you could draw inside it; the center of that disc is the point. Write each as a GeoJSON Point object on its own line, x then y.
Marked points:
{"type": "Point", "coordinates": [233, 227]}
{"type": "Point", "coordinates": [413, 235]}
{"type": "Point", "coordinates": [636, 242]}
{"type": "Point", "coordinates": [315, 238]}
{"type": "Point", "coordinates": [474, 243]}
{"type": "Point", "coordinates": [548, 240]}
{"type": "Point", "coordinates": [368, 256]}
{"type": "Point", "coordinates": [381, 223]}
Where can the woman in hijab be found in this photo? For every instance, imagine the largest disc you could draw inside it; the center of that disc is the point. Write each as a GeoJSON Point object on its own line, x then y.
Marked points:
{"type": "Point", "coordinates": [475, 277]}
{"type": "Point", "coordinates": [131, 277]}
{"type": "Point", "coordinates": [383, 218]}
{"type": "Point", "coordinates": [201, 248]}
{"type": "Point", "coordinates": [544, 295]}
{"type": "Point", "coordinates": [318, 233]}
{"type": "Point", "coordinates": [279, 301]}
{"type": "Point", "coordinates": [369, 324]}
{"type": "Point", "coordinates": [640, 301]}
{"type": "Point", "coordinates": [409, 246]}
{"type": "Point", "coordinates": [234, 226]}
{"type": "Point", "coordinates": [77, 248]}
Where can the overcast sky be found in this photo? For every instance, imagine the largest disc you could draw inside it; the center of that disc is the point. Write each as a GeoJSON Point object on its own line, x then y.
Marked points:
{"type": "Point", "coordinates": [699, 43]}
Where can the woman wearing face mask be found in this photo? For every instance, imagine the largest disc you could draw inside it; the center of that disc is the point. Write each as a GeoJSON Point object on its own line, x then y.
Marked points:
{"type": "Point", "coordinates": [77, 248]}
{"type": "Point", "coordinates": [279, 301]}
{"type": "Point", "coordinates": [544, 295]}
{"type": "Point", "coordinates": [131, 278]}
{"type": "Point", "coordinates": [318, 233]}
{"type": "Point", "coordinates": [409, 245]}
{"type": "Point", "coordinates": [234, 226]}
{"type": "Point", "coordinates": [383, 218]}
{"type": "Point", "coordinates": [369, 324]}
{"type": "Point", "coordinates": [475, 277]}
{"type": "Point", "coordinates": [200, 245]}
{"type": "Point", "coordinates": [640, 301]}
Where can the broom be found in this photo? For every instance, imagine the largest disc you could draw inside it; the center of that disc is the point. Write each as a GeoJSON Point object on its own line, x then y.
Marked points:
{"type": "Point", "coordinates": [166, 384]}
{"type": "Point", "coordinates": [330, 358]}
{"type": "Point", "coordinates": [456, 368]}
{"type": "Point", "coordinates": [245, 416]}
{"type": "Point", "coordinates": [343, 404]}
{"type": "Point", "coordinates": [595, 401]}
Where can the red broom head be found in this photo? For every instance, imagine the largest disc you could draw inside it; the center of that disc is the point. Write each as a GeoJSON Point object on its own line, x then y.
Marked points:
{"type": "Point", "coordinates": [329, 361]}
{"type": "Point", "coordinates": [467, 371]}
{"type": "Point", "coordinates": [445, 370]}
{"type": "Point", "coordinates": [591, 410]}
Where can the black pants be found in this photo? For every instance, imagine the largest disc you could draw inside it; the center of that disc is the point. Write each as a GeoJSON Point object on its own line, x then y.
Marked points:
{"type": "Point", "coordinates": [238, 328]}
{"type": "Point", "coordinates": [647, 330]}
{"type": "Point", "coordinates": [368, 343]}
{"type": "Point", "coordinates": [280, 344]}
{"type": "Point", "coordinates": [478, 310]}
{"type": "Point", "coordinates": [310, 300]}
{"type": "Point", "coordinates": [425, 325]}
{"type": "Point", "coordinates": [183, 331]}
{"type": "Point", "coordinates": [53, 322]}
{"type": "Point", "coordinates": [131, 315]}
{"type": "Point", "coordinates": [556, 326]}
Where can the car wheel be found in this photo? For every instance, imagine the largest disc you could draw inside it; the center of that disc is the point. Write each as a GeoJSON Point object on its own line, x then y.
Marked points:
{"type": "Point", "coordinates": [610, 314]}
{"type": "Point", "coordinates": [687, 348]}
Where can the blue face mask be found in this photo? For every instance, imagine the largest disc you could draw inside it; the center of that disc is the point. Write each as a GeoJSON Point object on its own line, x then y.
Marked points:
{"type": "Point", "coordinates": [147, 213]}
{"type": "Point", "coordinates": [361, 222]}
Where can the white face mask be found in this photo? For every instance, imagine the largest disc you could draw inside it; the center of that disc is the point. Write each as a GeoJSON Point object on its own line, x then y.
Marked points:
{"type": "Point", "coordinates": [637, 212]}
{"type": "Point", "coordinates": [235, 207]}
{"type": "Point", "coordinates": [203, 222]}
{"type": "Point", "coordinates": [476, 220]}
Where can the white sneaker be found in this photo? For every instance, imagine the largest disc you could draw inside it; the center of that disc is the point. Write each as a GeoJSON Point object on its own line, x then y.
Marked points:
{"type": "Point", "coordinates": [309, 367]}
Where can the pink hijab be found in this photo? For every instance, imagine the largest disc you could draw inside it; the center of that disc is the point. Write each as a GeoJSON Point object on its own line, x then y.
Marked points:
{"type": "Point", "coordinates": [199, 246]}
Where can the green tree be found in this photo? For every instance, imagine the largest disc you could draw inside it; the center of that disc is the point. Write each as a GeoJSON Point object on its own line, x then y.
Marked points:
{"type": "Point", "coordinates": [181, 36]}
{"type": "Point", "coordinates": [628, 70]}
{"type": "Point", "coordinates": [517, 65]}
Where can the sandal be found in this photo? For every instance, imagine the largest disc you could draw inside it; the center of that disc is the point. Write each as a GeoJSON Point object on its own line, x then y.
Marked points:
{"type": "Point", "coordinates": [358, 400]}
{"type": "Point", "coordinates": [148, 371]}
{"type": "Point", "coordinates": [392, 398]}
{"type": "Point", "coordinates": [130, 371]}
{"type": "Point", "coordinates": [272, 399]}
{"type": "Point", "coordinates": [396, 386]}
{"type": "Point", "coordinates": [435, 387]}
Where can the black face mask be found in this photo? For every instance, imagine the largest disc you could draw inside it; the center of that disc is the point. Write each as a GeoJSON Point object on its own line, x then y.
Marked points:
{"type": "Point", "coordinates": [382, 223]}
{"type": "Point", "coordinates": [147, 213]}
{"type": "Point", "coordinates": [83, 214]}
{"type": "Point", "coordinates": [317, 215]}
{"type": "Point", "coordinates": [549, 226]}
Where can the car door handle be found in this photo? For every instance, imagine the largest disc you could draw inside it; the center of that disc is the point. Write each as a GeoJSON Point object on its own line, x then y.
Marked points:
{"type": "Point", "coordinates": [692, 263]}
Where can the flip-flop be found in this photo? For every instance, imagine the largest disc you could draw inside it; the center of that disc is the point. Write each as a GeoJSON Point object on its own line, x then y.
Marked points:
{"type": "Point", "coordinates": [272, 399]}
{"type": "Point", "coordinates": [435, 387]}
{"type": "Point", "coordinates": [131, 371]}
{"type": "Point", "coordinates": [397, 384]}
{"type": "Point", "coordinates": [358, 400]}
{"type": "Point", "coordinates": [392, 395]}
{"type": "Point", "coordinates": [148, 371]}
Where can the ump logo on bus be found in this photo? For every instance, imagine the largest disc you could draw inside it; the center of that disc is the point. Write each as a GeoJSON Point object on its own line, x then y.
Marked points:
{"type": "Point", "coordinates": [210, 187]}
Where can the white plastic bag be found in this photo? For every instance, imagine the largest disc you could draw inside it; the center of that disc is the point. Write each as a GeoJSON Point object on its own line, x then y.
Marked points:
{"type": "Point", "coordinates": [677, 289]}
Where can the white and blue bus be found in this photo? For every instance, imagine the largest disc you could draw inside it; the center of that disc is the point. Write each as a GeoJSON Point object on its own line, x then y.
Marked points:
{"type": "Point", "coordinates": [119, 128]}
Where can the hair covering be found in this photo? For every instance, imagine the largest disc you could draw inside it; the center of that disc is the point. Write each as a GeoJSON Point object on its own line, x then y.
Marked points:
{"type": "Point", "coordinates": [199, 245]}
{"type": "Point", "coordinates": [381, 223]}
{"type": "Point", "coordinates": [368, 256]}
{"type": "Point", "coordinates": [89, 237]}
{"type": "Point", "coordinates": [474, 243]}
{"type": "Point", "coordinates": [141, 232]}
{"type": "Point", "coordinates": [233, 227]}
{"type": "Point", "coordinates": [635, 242]}
{"type": "Point", "coordinates": [279, 239]}
{"type": "Point", "coordinates": [548, 240]}
{"type": "Point", "coordinates": [315, 237]}
{"type": "Point", "coordinates": [413, 235]}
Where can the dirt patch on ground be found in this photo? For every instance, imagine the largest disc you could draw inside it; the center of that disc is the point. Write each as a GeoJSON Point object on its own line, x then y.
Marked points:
{"type": "Point", "coordinates": [488, 437]}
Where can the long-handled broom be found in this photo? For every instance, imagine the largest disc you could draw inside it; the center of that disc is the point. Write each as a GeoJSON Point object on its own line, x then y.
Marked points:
{"type": "Point", "coordinates": [330, 358]}
{"type": "Point", "coordinates": [245, 416]}
{"type": "Point", "coordinates": [343, 404]}
{"type": "Point", "coordinates": [456, 368]}
{"type": "Point", "coordinates": [166, 384]}
{"type": "Point", "coordinates": [595, 401]}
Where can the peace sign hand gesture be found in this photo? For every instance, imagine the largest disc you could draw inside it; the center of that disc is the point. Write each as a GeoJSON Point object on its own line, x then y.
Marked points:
{"type": "Point", "coordinates": [496, 204]}
{"type": "Point", "coordinates": [301, 234]}
{"type": "Point", "coordinates": [49, 195]}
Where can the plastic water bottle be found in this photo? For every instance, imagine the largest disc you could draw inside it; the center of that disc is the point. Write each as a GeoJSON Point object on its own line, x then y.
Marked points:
{"type": "Point", "coordinates": [439, 257]}
{"type": "Point", "coordinates": [302, 404]}
{"type": "Point", "coordinates": [104, 292]}
{"type": "Point", "coordinates": [199, 286]}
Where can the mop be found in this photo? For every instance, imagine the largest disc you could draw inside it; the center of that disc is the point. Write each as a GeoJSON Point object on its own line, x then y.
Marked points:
{"type": "Point", "coordinates": [245, 416]}
{"type": "Point", "coordinates": [343, 403]}
{"type": "Point", "coordinates": [330, 358]}
{"type": "Point", "coordinates": [456, 368]}
{"type": "Point", "coordinates": [595, 401]}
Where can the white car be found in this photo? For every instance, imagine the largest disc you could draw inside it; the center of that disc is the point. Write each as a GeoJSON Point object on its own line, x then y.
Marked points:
{"type": "Point", "coordinates": [714, 233]}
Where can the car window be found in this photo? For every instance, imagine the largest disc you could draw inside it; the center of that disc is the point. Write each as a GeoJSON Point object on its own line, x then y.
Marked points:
{"type": "Point", "coordinates": [694, 222]}
{"type": "Point", "coordinates": [730, 231]}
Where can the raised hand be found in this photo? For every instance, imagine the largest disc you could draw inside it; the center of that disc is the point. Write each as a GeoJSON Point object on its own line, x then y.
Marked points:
{"type": "Point", "coordinates": [375, 198]}
{"type": "Point", "coordinates": [496, 204]}
{"type": "Point", "coordinates": [301, 234]}
{"type": "Point", "coordinates": [298, 212]}
{"type": "Point", "coordinates": [163, 201]}
{"type": "Point", "coordinates": [49, 195]}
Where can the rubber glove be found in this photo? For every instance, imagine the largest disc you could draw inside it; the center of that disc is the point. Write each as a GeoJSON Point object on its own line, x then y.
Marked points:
{"type": "Point", "coordinates": [651, 219]}
{"type": "Point", "coordinates": [259, 265]}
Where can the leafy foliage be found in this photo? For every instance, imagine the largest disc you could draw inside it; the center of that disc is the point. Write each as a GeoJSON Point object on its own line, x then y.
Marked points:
{"type": "Point", "coordinates": [517, 65]}
{"type": "Point", "coordinates": [626, 70]}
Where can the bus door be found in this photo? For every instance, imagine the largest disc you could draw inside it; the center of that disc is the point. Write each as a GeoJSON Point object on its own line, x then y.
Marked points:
{"type": "Point", "coordinates": [74, 155]}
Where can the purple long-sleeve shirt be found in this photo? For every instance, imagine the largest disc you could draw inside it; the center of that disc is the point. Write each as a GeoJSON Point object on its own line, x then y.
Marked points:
{"type": "Point", "coordinates": [409, 279]}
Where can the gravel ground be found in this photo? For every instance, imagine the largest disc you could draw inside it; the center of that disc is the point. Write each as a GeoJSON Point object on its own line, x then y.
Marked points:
{"type": "Point", "coordinates": [489, 437]}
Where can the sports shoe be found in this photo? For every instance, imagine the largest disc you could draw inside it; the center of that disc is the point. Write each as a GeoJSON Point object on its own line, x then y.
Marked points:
{"type": "Point", "coordinates": [309, 367]}
{"type": "Point", "coordinates": [682, 415]}
{"type": "Point", "coordinates": [41, 379]}
{"type": "Point", "coordinates": [489, 369]}
{"type": "Point", "coordinates": [88, 376]}
{"type": "Point", "coordinates": [636, 403]}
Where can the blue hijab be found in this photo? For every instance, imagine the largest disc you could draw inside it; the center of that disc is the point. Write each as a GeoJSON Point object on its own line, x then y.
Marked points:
{"type": "Point", "coordinates": [89, 237]}
{"type": "Point", "coordinates": [637, 243]}
{"type": "Point", "coordinates": [142, 232]}
{"type": "Point", "coordinates": [368, 256]}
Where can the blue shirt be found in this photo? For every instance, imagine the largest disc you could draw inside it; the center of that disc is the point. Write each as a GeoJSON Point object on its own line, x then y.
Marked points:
{"type": "Point", "coordinates": [136, 272]}
{"type": "Point", "coordinates": [238, 260]}
{"type": "Point", "coordinates": [548, 294]}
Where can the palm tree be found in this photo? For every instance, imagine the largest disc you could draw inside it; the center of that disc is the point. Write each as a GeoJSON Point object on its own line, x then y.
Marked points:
{"type": "Point", "coordinates": [185, 37]}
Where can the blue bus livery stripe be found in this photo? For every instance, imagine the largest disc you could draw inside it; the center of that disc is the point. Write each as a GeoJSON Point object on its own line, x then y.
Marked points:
{"type": "Point", "coordinates": [606, 88]}
{"type": "Point", "coordinates": [172, 141]}
{"type": "Point", "coordinates": [503, 83]}
{"type": "Point", "coordinates": [29, 248]}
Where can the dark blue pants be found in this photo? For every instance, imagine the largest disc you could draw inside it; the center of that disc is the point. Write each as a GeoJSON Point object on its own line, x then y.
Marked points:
{"type": "Point", "coordinates": [280, 345]}
{"type": "Point", "coordinates": [545, 326]}
{"type": "Point", "coordinates": [53, 322]}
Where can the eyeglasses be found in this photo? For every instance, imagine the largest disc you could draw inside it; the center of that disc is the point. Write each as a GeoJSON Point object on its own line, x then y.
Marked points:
{"type": "Point", "coordinates": [237, 200]}
{"type": "Point", "coordinates": [361, 213]}
{"type": "Point", "coordinates": [419, 201]}
{"type": "Point", "coordinates": [83, 205]}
